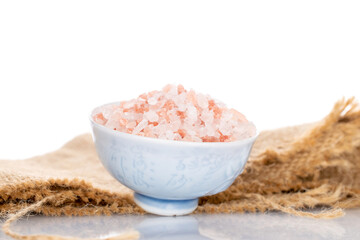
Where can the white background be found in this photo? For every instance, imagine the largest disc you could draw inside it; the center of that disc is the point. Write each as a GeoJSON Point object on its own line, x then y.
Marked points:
{"type": "Point", "coordinates": [279, 62]}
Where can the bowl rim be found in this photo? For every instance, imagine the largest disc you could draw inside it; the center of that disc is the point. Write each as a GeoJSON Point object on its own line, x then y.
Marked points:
{"type": "Point", "coordinates": [167, 141]}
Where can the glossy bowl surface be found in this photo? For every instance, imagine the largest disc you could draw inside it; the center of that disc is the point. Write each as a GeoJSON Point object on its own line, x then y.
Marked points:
{"type": "Point", "coordinates": [161, 170]}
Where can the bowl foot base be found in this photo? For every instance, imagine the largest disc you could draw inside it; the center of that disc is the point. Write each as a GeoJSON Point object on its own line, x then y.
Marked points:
{"type": "Point", "coordinates": [165, 207]}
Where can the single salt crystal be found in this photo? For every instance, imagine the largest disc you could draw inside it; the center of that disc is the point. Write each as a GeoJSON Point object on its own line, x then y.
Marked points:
{"type": "Point", "coordinates": [244, 130]}
{"type": "Point", "coordinates": [138, 116]}
{"type": "Point", "coordinates": [191, 113]}
{"type": "Point", "coordinates": [129, 104]}
{"type": "Point", "coordinates": [169, 135]}
{"type": "Point", "coordinates": [152, 101]}
{"type": "Point", "coordinates": [181, 107]}
{"type": "Point", "coordinates": [113, 122]}
{"type": "Point", "coordinates": [207, 117]}
{"type": "Point", "coordinates": [225, 127]}
{"type": "Point", "coordinates": [220, 104]}
{"type": "Point", "coordinates": [140, 126]}
{"type": "Point", "coordinates": [190, 132]}
{"type": "Point", "coordinates": [167, 88]}
{"type": "Point", "coordinates": [210, 131]}
{"type": "Point", "coordinates": [191, 97]}
{"type": "Point", "coordinates": [129, 116]}
{"type": "Point", "coordinates": [180, 89]}
{"type": "Point", "coordinates": [99, 118]}
{"type": "Point", "coordinates": [179, 101]}
{"type": "Point", "coordinates": [202, 132]}
{"type": "Point", "coordinates": [202, 101]}
{"type": "Point", "coordinates": [131, 124]}
{"type": "Point", "coordinates": [238, 116]}
{"type": "Point", "coordinates": [151, 116]}
{"type": "Point", "coordinates": [107, 111]}
{"type": "Point", "coordinates": [161, 128]}
{"type": "Point", "coordinates": [173, 115]}
{"type": "Point", "coordinates": [157, 95]}
{"type": "Point", "coordinates": [227, 115]}
{"type": "Point", "coordinates": [159, 103]}
{"type": "Point", "coordinates": [162, 135]}
{"type": "Point", "coordinates": [175, 125]}
{"type": "Point", "coordinates": [196, 139]}
{"type": "Point", "coordinates": [172, 92]}
{"type": "Point", "coordinates": [115, 125]}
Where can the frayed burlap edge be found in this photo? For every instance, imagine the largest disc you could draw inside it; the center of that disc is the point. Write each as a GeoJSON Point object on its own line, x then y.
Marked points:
{"type": "Point", "coordinates": [320, 169]}
{"type": "Point", "coordinates": [317, 170]}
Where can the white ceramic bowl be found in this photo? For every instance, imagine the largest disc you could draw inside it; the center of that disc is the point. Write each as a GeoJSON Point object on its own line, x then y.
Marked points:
{"type": "Point", "coordinates": [169, 176]}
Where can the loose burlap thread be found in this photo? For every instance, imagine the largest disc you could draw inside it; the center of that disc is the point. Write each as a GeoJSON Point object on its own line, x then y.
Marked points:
{"type": "Point", "coordinates": [291, 170]}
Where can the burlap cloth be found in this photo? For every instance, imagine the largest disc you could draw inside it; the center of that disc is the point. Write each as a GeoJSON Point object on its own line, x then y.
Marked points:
{"type": "Point", "coordinates": [292, 169]}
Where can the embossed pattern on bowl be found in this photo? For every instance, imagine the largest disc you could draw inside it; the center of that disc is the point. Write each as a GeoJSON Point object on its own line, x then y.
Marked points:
{"type": "Point", "coordinates": [168, 169]}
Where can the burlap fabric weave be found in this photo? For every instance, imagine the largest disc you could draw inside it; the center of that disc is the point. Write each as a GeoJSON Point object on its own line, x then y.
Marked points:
{"type": "Point", "coordinates": [292, 169]}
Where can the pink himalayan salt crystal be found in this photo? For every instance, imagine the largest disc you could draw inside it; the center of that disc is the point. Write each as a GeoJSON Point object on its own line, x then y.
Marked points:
{"type": "Point", "coordinates": [176, 114]}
